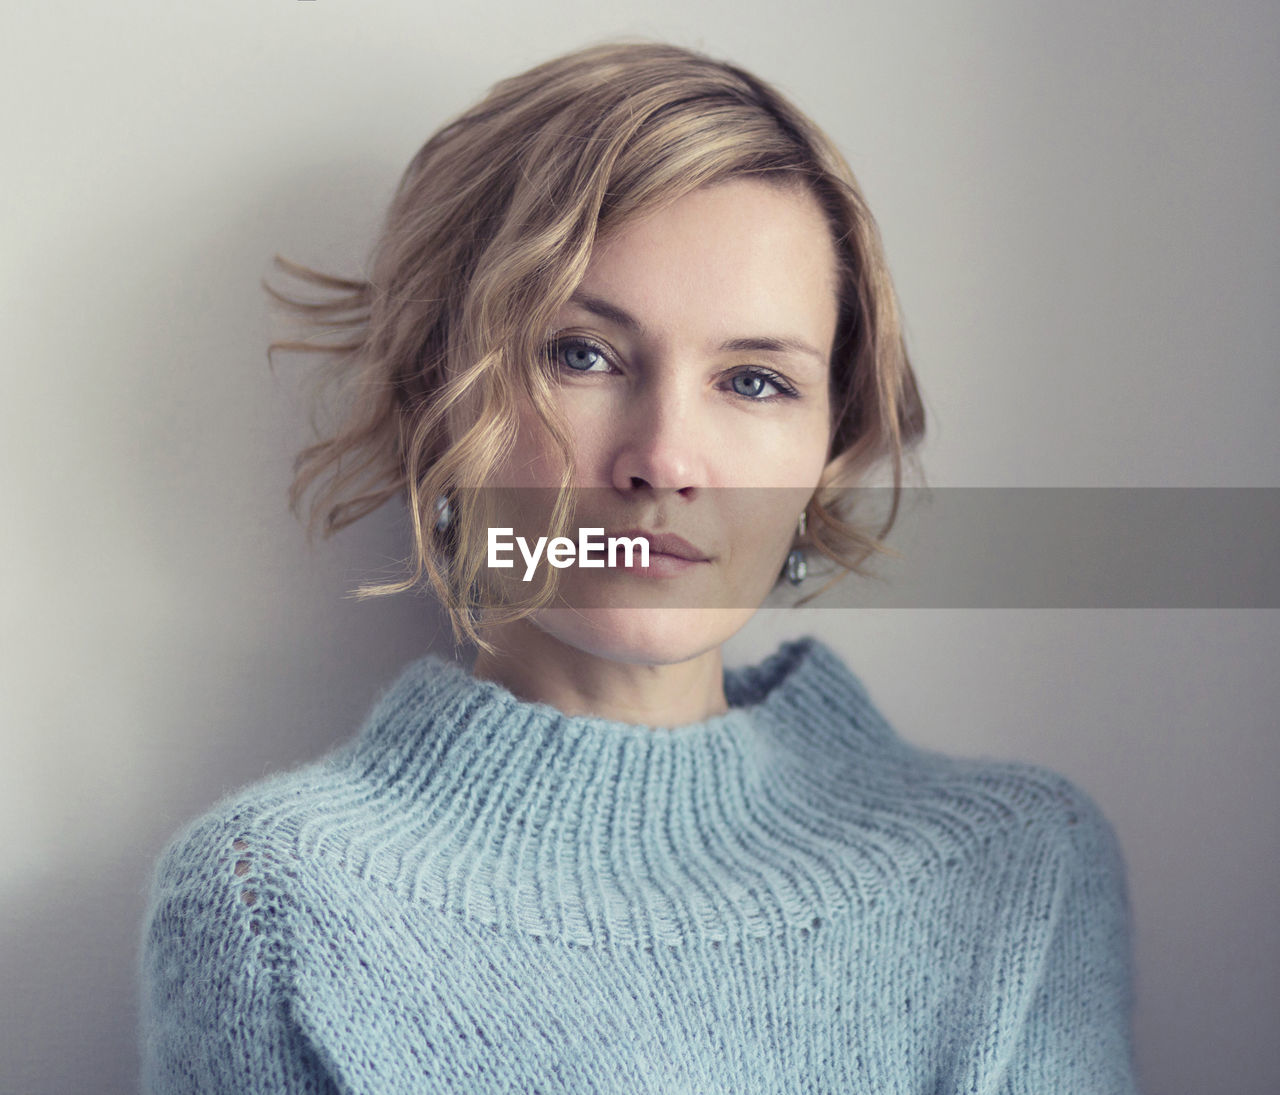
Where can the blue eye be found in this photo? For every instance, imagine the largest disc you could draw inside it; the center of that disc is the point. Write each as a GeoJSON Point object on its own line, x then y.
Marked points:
{"type": "Point", "coordinates": [754, 385]}
{"type": "Point", "coordinates": [757, 380]}
{"type": "Point", "coordinates": [575, 354]}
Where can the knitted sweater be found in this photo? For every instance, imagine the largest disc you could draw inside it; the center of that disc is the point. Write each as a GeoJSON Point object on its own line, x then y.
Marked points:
{"type": "Point", "coordinates": [482, 894]}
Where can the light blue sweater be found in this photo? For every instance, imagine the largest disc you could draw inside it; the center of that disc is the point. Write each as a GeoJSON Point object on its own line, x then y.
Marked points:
{"type": "Point", "coordinates": [481, 894]}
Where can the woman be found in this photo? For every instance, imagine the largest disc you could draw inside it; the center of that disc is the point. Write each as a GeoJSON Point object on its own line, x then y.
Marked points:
{"type": "Point", "coordinates": [632, 290]}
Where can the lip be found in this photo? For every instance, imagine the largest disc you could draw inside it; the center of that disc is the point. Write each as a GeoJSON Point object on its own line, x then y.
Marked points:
{"type": "Point", "coordinates": [668, 555]}
{"type": "Point", "coordinates": [668, 544]}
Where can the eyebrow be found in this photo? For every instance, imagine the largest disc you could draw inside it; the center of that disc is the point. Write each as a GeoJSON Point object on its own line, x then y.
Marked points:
{"type": "Point", "coordinates": [761, 343]}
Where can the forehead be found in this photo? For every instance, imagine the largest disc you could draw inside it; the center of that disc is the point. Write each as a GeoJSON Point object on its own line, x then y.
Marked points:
{"type": "Point", "coordinates": [742, 253]}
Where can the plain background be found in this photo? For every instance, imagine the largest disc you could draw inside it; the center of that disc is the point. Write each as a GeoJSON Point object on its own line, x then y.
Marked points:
{"type": "Point", "coordinates": [1079, 203]}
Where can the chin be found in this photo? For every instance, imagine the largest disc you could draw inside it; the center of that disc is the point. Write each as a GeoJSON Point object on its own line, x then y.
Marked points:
{"type": "Point", "coordinates": [643, 636]}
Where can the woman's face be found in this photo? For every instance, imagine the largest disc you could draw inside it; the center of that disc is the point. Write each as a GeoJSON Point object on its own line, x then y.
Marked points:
{"type": "Point", "coordinates": [693, 366]}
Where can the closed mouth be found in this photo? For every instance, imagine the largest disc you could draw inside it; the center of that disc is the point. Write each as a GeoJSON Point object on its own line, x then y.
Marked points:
{"type": "Point", "coordinates": [667, 543]}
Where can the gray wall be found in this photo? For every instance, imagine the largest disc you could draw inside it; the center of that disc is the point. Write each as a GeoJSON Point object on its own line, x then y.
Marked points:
{"type": "Point", "coordinates": [1079, 205]}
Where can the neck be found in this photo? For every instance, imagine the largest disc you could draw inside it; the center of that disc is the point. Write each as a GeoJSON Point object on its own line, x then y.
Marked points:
{"type": "Point", "coordinates": [539, 668]}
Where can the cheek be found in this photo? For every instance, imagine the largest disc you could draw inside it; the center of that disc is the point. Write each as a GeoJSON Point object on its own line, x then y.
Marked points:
{"type": "Point", "coordinates": [531, 463]}
{"type": "Point", "coordinates": [785, 453]}
{"type": "Point", "coordinates": [593, 426]}
{"type": "Point", "coordinates": [534, 460]}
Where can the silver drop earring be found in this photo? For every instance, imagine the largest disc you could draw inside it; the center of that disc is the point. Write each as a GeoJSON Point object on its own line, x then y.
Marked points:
{"type": "Point", "coordinates": [797, 568]}
{"type": "Point", "coordinates": [443, 513]}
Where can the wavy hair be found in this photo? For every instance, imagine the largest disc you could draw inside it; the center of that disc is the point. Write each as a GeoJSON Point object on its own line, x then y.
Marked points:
{"type": "Point", "coordinates": [488, 235]}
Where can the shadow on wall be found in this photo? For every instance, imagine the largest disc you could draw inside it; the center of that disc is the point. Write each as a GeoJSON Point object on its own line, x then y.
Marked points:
{"type": "Point", "coordinates": [209, 647]}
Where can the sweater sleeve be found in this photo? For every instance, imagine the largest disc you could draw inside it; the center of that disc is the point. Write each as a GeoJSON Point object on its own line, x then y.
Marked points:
{"type": "Point", "coordinates": [1075, 1037]}
{"type": "Point", "coordinates": [214, 1008]}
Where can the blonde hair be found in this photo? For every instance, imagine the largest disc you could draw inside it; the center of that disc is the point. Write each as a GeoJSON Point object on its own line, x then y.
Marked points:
{"type": "Point", "coordinates": [489, 234]}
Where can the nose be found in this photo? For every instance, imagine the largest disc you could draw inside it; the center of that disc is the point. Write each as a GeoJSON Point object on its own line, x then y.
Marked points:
{"type": "Point", "coordinates": [659, 445]}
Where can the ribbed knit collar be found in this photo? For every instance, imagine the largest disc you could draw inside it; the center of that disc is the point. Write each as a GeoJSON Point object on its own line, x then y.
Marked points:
{"type": "Point", "coordinates": [602, 832]}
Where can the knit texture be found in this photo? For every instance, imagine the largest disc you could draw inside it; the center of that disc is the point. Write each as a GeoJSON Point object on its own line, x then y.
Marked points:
{"type": "Point", "coordinates": [481, 894]}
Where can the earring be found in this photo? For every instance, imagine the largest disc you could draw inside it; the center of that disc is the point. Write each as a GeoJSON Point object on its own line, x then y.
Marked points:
{"type": "Point", "coordinates": [797, 568]}
{"type": "Point", "coordinates": [443, 513]}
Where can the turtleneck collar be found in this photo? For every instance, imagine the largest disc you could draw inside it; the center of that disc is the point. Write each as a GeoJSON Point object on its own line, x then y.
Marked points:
{"type": "Point", "coordinates": [596, 831]}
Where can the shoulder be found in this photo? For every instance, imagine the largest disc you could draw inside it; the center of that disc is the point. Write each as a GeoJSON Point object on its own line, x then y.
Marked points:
{"type": "Point", "coordinates": [279, 827]}
{"type": "Point", "coordinates": [1042, 805]}
{"type": "Point", "coordinates": [999, 814]}
{"type": "Point", "coordinates": [1028, 822]}
{"type": "Point", "coordinates": [256, 825]}
{"type": "Point", "coordinates": [1016, 798]}
{"type": "Point", "coordinates": [216, 959]}
{"type": "Point", "coordinates": [221, 893]}
{"type": "Point", "coordinates": [999, 798]}
{"type": "Point", "coordinates": [950, 805]}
